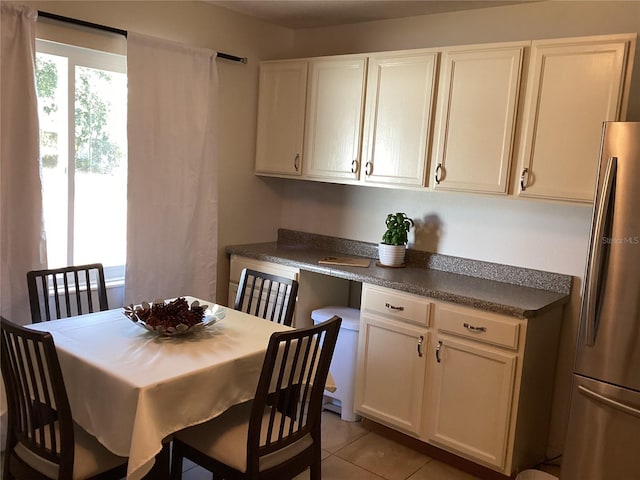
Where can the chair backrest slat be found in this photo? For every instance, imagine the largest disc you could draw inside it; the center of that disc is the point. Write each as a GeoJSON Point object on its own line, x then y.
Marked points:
{"type": "Point", "coordinates": [81, 282]}
{"type": "Point", "coordinates": [89, 297]}
{"type": "Point", "coordinates": [56, 297]}
{"type": "Point", "coordinates": [268, 296]}
{"type": "Point", "coordinates": [67, 294]}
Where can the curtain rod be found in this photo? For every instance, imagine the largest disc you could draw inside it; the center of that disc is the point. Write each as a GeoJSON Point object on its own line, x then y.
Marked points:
{"type": "Point", "coordinates": [118, 31]}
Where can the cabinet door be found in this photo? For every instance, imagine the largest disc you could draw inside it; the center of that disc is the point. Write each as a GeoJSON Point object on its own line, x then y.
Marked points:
{"type": "Point", "coordinates": [400, 96]}
{"type": "Point", "coordinates": [334, 118]}
{"type": "Point", "coordinates": [470, 404]}
{"type": "Point", "coordinates": [574, 86]}
{"type": "Point", "coordinates": [281, 110]}
{"type": "Point", "coordinates": [391, 372]}
{"type": "Point", "coordinates": [477, 107]}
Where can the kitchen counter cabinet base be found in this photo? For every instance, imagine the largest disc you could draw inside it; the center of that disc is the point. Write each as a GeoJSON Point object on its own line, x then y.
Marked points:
{"type": "Point", "coordinates": [478, 384]}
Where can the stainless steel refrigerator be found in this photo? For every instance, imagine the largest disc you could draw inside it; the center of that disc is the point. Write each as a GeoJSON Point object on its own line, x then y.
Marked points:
{"type": "Point", "coordinates": [603, 437]}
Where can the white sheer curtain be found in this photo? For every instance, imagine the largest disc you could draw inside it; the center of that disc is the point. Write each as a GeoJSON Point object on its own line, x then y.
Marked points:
{"type": "Point", "coordinates": [22, 240]}
{"type": "Point", "coordinates": [22, 246]}
{"type": "Point", "coordinates": [172, 185]}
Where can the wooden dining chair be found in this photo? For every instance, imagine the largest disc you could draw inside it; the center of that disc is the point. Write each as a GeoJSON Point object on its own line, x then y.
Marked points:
{"type": "Point", "coordinates": [275, 436]}
{"type": "Point", "coordinates": [63, 292]}
{"type": "Point", "coordinates": [267, 296]}
{"type": "Point", "coordinates": [43, 442]}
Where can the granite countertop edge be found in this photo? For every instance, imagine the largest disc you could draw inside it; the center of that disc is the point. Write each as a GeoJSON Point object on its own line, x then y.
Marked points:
{"type": "Point", "coordinates": [513, 299]}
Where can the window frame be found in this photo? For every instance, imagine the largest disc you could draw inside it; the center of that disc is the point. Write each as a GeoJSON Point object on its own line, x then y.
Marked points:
{"type": "Point", "coordinates": [78, 56]}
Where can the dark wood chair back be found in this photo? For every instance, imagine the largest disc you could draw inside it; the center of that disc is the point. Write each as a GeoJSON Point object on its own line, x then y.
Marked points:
{"type": "Point", "coordinates": [278, 434]}
{"type": "Point", "coordinates": [39, 417]}
{"type": "Point", "coordinates": [41, 433]}
{"type": "Point", "coordinates": [290, 393]}
{"type": "Point", "coordinates": [267, 296]}
{"type": "Point", "coordinates": [63, 292]}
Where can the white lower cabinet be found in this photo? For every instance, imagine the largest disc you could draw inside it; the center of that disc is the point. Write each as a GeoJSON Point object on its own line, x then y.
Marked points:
{"type": "Point", "coordinates": [461, 373]}
{"type": "Point", "coordinates": [392, 358]}
{"type": "Point", "coordinates": [392, 372]}
{"type": "Point", "coordinates": [470, 398]}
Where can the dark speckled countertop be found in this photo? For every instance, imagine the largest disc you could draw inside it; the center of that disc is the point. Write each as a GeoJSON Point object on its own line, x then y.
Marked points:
{"type": "Point", "coordinates": [514, 291]}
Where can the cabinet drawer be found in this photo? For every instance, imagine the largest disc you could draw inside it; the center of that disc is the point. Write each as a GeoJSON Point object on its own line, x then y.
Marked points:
{"type": "Point", "coordinates": [239, 263]}
{"type": "Point", "coordinates": [395, 304]}
{"type": "Point", "coordinates": [481, 326]}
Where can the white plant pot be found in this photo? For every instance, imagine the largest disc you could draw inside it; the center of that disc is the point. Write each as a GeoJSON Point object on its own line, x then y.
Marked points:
{"type": "Point", "coordinates": [391, 255]}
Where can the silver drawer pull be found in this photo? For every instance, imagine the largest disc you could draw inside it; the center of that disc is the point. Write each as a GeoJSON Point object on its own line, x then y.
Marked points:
{"type": "Point", "coordinates": [438, 347]}
{"type": "Point", "coordinates": [420, 351]}
{"type": "Point", "coordinates": [471, 328]}
{"type": "Point", "coordinates": [393, 307]}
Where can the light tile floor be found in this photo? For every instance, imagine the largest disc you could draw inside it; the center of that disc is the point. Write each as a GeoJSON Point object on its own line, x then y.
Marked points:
{"type": "Point", "coordinates": [351, 452]}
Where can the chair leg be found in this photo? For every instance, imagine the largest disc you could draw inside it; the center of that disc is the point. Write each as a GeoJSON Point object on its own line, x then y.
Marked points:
{"type": "Point", "coordinates": [315, 471]}
{"type": "Point", "coordinates": [176, 462]}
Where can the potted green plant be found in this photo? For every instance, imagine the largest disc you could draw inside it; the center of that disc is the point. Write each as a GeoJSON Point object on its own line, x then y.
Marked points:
{"type": "Point", "coordinates": [394, 240]}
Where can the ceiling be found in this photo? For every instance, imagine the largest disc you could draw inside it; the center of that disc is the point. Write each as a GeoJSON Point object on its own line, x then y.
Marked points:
{"type": "Point", "coordinates": [323, 13]}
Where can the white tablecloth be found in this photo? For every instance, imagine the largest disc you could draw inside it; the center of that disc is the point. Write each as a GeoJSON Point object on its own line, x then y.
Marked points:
{"type": "Point", "coordinates": [132, 389]}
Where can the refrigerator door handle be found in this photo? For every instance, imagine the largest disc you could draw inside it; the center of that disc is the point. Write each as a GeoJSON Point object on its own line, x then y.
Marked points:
{"type": "Point", "coordinates": [595, 262]}
{"type": "Point", "coordinates": [607, 401]}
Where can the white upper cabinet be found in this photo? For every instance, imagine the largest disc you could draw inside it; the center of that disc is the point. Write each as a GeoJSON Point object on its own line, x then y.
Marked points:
{"type": "Point", "coordinates": [477, 108]}
{"type": "Point", "coordinates": [281, 110]}
{"type": "Point", "coordinates": [574, 85]}
{"type": "Point", "coordinates": [398, 113]}
{"type": "Point", "coordinates": [335, 104]}
{"type": "Point", "coordinates": [374, 119]}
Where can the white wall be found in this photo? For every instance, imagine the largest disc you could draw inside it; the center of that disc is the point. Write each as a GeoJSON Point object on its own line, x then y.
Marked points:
{"type": "Point", "coordinates": [534, 234]}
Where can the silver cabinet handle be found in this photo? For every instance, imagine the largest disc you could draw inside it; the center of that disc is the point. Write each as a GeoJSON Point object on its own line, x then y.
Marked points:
{"type": "Point", "coordinates": [354, 166]}
{"type": "Point", "coordinates": [474, 329]}
{"type": "Point", "coordinates": [523, 183]}
{"type": "Point", "coordinates": [420, 340]}
{"type": "Point", "coordinates": [608, 401]}
{"type": "Point", "coordinates": [368, 168]}
{"type": "Point", "coordinates": [438, 347]}
{"type": "Point", "coordinates": [437, 177]}
{"type": "Point", "coordinates": [296, 162]}
{"type": "Point", "coordinates": [393, 307]}
{"type": "Point", "coordinates": [596, 257]}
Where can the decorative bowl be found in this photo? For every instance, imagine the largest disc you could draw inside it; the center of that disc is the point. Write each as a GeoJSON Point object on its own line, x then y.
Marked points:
{"type": "Point", "coordinates": [173, 317]}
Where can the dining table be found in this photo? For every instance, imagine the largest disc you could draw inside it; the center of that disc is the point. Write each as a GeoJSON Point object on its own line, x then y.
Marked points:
{"type": "Point", "coordinates": [132, 389]}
